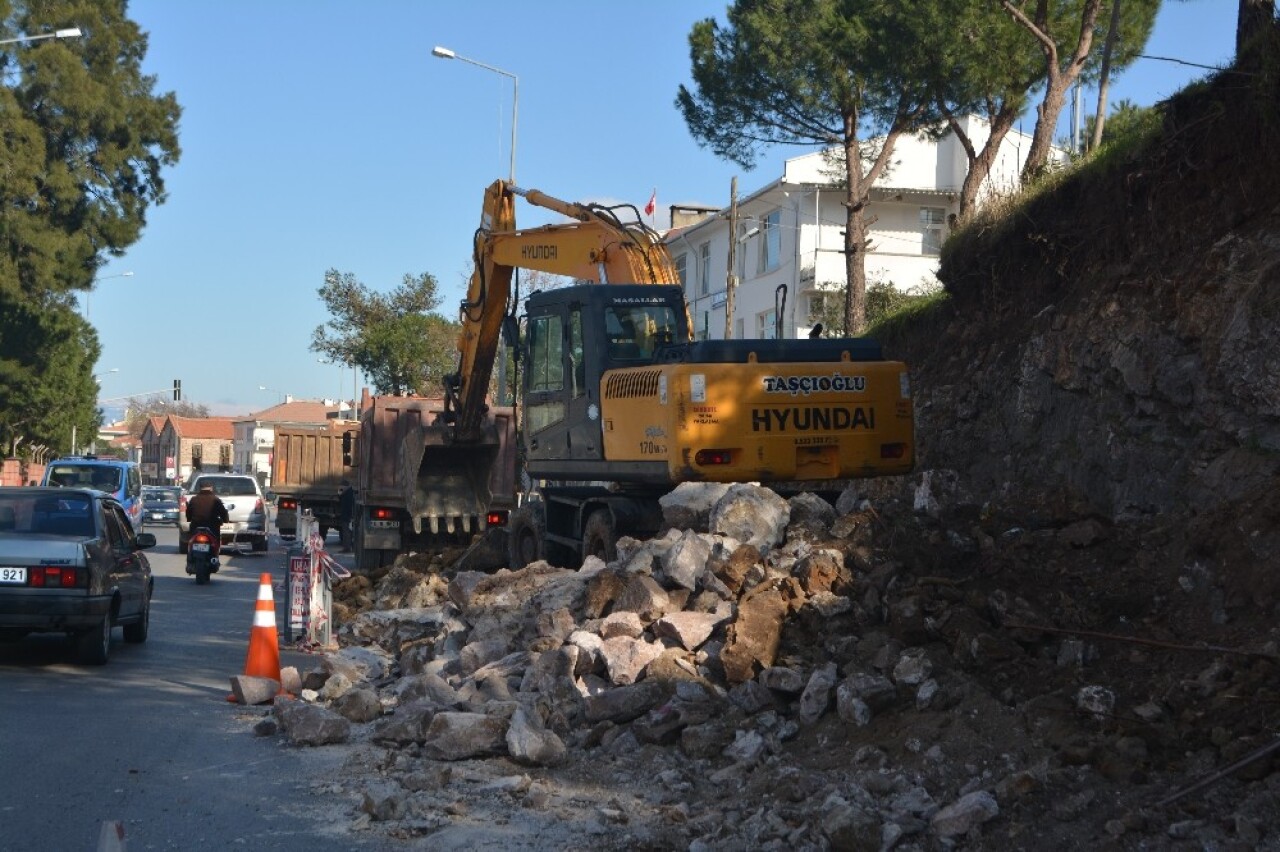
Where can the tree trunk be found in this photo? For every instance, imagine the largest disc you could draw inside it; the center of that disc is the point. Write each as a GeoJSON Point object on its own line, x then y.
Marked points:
{"type": "Point", "coordinates": [855, 234]}
{"type": "Point", "coordinates": [1058, 80]}
{"type": "Point", "coordinates": [1253, 18]}
{"type": "Point", "coordinates": [980, 162]}
{"type": "Point", "coordinates": [1104, 77]}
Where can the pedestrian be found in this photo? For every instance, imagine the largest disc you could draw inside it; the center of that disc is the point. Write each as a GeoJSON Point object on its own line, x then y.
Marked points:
{"type": "Point", "coordinates": [346, 512]}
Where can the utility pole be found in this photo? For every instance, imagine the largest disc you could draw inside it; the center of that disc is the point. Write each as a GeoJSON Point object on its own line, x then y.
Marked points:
{"type": "Point", "coordinates": [731, 278]}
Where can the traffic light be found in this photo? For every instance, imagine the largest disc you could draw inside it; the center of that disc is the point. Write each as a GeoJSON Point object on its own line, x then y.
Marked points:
{"type": "Point", "coordinates": [177, 390]}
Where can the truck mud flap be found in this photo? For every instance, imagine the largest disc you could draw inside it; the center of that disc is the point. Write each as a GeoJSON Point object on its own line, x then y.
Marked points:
{"type": "Point", "coordinates": [452, 490]}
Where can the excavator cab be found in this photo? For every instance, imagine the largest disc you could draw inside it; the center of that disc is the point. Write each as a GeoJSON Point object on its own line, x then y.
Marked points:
{"type": "Point", "coordinates": [574, 336]}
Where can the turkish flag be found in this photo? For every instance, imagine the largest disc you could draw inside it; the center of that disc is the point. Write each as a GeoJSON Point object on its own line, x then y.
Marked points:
{"type": "Point", "coordinates": [652, 205]}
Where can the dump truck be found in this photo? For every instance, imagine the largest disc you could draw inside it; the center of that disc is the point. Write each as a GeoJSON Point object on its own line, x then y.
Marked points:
{"type": "Point", "coordinates": [307, 470]}
{"type": "Point", "coordinates": [409, 496]}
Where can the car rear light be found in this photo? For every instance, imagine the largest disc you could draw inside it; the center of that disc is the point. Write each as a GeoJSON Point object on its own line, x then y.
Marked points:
{"type": "Point", "coordinates": [380, 514]}
{"type": "Point", "coordinates": [893, 451]}
{"type": "Point", "coordinates": [288, 504]}
{"type": "Point", "coordinates": [257, 507]}
{"type": "Point", "coordinates": [496, 519]}
{"type": "Point", "coordinates": [706, 457]}
{"type": "Point", "coordinates": [182, 503]}
{"type": "Point", "coordinates": [56, 577]}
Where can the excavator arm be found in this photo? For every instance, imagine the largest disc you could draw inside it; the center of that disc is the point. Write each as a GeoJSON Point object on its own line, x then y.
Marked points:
{"type": "Point", "coordinates": [597, 246]}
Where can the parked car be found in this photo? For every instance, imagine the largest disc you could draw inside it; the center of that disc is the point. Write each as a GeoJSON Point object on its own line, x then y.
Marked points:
{"type": "Point", "coordinates": [160, 504]}
{"type": "Point", "coordinates": [242, 496]}
{"type": "Point", "coordinates": [71, 563]}
{"type": "Point", "coordinates": [120, 478]}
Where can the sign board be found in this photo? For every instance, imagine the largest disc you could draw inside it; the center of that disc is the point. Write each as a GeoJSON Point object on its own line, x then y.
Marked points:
{"type": "Point", "coordinates": [299, 593]}
{"type": "Point", "coordinates": [149, 469]}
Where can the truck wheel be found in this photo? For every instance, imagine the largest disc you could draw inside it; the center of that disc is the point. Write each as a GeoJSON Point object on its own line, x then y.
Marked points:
{"type": "Point", "coordinates": [598, 536]}
{"type": "Point", "coordinates": [524, 537]}
{"type": "Point", "coordinates": [324, 532]}
{"type": "Point", "coordinates": [260, 545]}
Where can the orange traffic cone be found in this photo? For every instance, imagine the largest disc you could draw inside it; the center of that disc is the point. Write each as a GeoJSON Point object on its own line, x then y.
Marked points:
{"type": "Point", "coordinates": [263, 659]}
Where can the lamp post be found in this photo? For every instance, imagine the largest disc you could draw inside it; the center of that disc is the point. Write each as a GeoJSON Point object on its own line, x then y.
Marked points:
{"type": "Point", "coordinates": [272, 390]}
{"type": "Point", "coordinates": [89, 292]}
{"type": "Point", "coordinates": [446, 53]}
{"type": "Point", "coordinates": [71, 32]}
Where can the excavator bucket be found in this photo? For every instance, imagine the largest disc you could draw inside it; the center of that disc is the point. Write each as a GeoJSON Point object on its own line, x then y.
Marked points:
{"type": "Point", "coordinates": [457, 485]}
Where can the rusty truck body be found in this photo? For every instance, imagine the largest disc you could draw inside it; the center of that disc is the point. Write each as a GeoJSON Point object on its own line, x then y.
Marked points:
{"type": "Point", "coordinates": [307, 470]}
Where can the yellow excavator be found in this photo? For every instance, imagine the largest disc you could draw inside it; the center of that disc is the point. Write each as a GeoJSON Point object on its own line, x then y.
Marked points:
{"type": "Point", "coordinates": [618, 404]}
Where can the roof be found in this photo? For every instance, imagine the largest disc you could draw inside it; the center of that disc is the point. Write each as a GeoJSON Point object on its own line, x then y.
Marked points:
{"type": "Point", "coordinates": [297, 411]}
{"type": "Point", "coordinates": [204, 427]}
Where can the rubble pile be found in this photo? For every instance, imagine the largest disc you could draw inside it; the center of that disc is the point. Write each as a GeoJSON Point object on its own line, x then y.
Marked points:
{"type": "Point", "coordinates": [898, 672]}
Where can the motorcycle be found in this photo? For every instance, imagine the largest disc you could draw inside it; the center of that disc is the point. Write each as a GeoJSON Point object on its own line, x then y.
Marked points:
{"type": "Point", "coordinates": [202, 554]}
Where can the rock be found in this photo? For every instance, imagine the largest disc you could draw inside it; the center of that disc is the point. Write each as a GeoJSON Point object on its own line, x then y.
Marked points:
{"type": "Point", "coordinates": [747, 747]}
{"type": "Point", "coordinates": [266, 728]}
{"type": "Point", "coordinates": [626, 658]}
{"type": "Point", "coordinates": [733, 569]}
{"type": "Point", "coordinates": [820, 572]}
{"type": "Point", "coordinates": [817, 694]}
{"type": "Point", "coordinates": [963, 814]}
{"type": "Point", "coordinates": [782, 679]}
{"type": "Point", "coordinates": [384, 802]}
{"type": "Point", "coordinates": [359, 705]}
{"type": "Point", "coordinates": [556, 625]}
{"type": "Point", "coordinates": [430, 687]}
{"type": "Point", "coordinates": [751, 514]}
{"type": "Point", "coordinates": [754, 635]}
{"type": "Point", "coordinates": [913, 667]}
{"type": "Point", "coordinates": [689, 505]}
{"type": "Point", "coordinates": [335, 687]}
{"type": "Point", "coordinates": [811, 510]}
{"type": "Point", "coordinates": [752, 696]}
{"type": "Point", "coordinates": [463, 586]}
{"type": "Point", "coordinates": [1097, 700]}
{"type": "Point", "coordinates": [850, 826]}
{"type": "Point", "coordinates": [874, 691]}
{"type": "Point", "coordinates": [459, 736]}
{"type": "Point", "coordinates": [1083, 533]}
{"type": "Point", "coordinates": [690, 629]}
{"type": "Point", "coordinates": [623, 703]}
{"type": "Point", "coordinates": [643, 596]}
{"type": "Point", "coordinates": [358, 664]}
{"type": "Point", "coordinates": [474, 655]}
{"type": "Point", "coordinates": [530, 743]}
{"type": "Point", "coordinates": [686, 560]}
{"type": "Point", "coordinates": [626, 624]}
{"type": "Point", "coordinates": [310, 724]}
{"type": "Point", "coordinates": [408, 725]}
{"type": "Point", "coordinates": [290, 680]}
{"type": "Point", "coordinates": [247, 689]}
{"type": "Point", "coordinates": [603, 589]}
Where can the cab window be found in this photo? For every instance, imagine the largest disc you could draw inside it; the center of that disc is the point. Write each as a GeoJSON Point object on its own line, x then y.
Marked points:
{"type": "Point", "coordinates": [635, 332]}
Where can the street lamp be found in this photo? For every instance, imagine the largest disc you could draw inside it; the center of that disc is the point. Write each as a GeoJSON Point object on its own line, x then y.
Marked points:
{"type": "Point", "coordinates": [72, 32]}
{"type": "Point", "coordinates": [89, 292]}
{"type": "Point", "coordinates": [272, 390]}
{"type": "Point", "coordinates": [446, 53]}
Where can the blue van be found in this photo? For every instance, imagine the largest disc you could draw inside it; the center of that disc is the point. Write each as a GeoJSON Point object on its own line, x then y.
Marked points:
{"type": "Point", "coordinates": [117, 477]}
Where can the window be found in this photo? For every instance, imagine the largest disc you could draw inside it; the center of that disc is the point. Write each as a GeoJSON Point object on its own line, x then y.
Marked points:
{"type": "Point", "coordinates": [767, 325]}
{"type": "Point", "coordinates": [634, 332]}
{"type": "Point", "coordinates": [681, 272]}
{"type": "Point", "coordinates": [546, 367]}
{"type": "Point", "coordinates": [577, 362]}
{"type": "Point", "coordinates": [704, 269]}
{"type": "Point", "coordinates": [770, 241]}
{"type": "Point", "coordinates": [704, 328]}
{"type": "Point", "coordinates": [931, 221]}
{"type": "Point", "coordinates": [739, 328]}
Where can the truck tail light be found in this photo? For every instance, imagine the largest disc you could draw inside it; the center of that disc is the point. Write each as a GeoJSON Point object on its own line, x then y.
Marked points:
{"type": "Point", "coordinates": [56, 577]}
{"type": "Point", "coordinates": [288, 504]}
{"type": "Point", "coordinates": [496, 519]}
{"type": "Point", "coordinates": [708, 457]}
{"type": "Point", "coordinates": [893, 451]}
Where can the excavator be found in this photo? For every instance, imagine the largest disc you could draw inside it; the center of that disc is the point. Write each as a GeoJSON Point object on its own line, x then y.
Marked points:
{"type": "Point", "coordinates": [618, 404]}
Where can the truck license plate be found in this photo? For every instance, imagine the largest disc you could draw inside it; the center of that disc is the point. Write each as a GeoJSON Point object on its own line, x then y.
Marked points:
{"type": "Point", "coordinates": [13, 575]}
{"type": "Point", "coordinates": [384, 525]}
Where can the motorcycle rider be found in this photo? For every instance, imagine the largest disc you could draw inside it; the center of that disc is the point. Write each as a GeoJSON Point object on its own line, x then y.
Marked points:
{"type": "Point", "coordinates": [206, 510]}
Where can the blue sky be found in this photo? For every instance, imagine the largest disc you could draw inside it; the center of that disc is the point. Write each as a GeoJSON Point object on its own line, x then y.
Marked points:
{"type": "Point", "coordinates": [319, 134]}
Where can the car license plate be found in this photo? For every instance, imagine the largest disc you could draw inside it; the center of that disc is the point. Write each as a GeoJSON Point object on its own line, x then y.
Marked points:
{"type": "Point", "coordinates": [13, 575]}
{"type": "Point", "coordinates": [156, 516]}
{"type": "Point", "coordinates": [200, 548]}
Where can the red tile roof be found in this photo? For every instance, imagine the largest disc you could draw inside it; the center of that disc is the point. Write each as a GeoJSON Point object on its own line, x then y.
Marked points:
{"type": "Point", "coordinates": [204, 427]}
{"type": "Point", "coordinates": [297, 411]}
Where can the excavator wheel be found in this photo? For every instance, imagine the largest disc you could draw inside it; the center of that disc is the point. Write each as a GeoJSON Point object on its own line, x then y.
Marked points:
{"type": "Point", "coordinates": [598, 536]}
{"type": "Point", "coordinates": [525, 541]}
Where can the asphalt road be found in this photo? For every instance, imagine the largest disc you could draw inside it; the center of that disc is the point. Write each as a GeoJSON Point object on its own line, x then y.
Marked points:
{"type": "Point", "coordinates": [150, 740]}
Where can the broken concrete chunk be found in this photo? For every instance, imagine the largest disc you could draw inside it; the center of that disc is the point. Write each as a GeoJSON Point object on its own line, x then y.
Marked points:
{"type": "Point", "coordinates": [963, 814]}
{"type": "Point", "coordinates": [752, 514]}
{"type": "Point", "coordinates": [530, 743]}
{"type": "Point", "coordinates": [247, 689]}
{"type": "Point", "coordinates": [686, 560]}
{"type": "Point", "coordinates": [625, 658]}
{"type": "Point", "coordinates": [689, 505]}
{"type": "Point", "coordinates": [690, 629]}
{"type": "Point", "coordinates": [459, 736]}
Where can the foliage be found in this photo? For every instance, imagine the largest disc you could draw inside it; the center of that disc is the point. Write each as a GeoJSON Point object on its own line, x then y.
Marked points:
{"type": "Point", "coordinates": [47, 388]}
{"type": "Point", "coordinates": [394, 338]}
{"type": "Point", "coordinates": [883, 300]}
{"type": "Point", "coordinates": [84, 140]}
{"type": "Point", "coordinates": [805, 72]}
{"type": "Point", "coordinates": [139, 409]}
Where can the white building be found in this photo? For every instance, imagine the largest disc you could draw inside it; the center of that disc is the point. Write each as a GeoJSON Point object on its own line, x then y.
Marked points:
{"type": "Point", "coordinates": [790, 234]}
{"type": "Point", "coordinates": [255, 436]}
